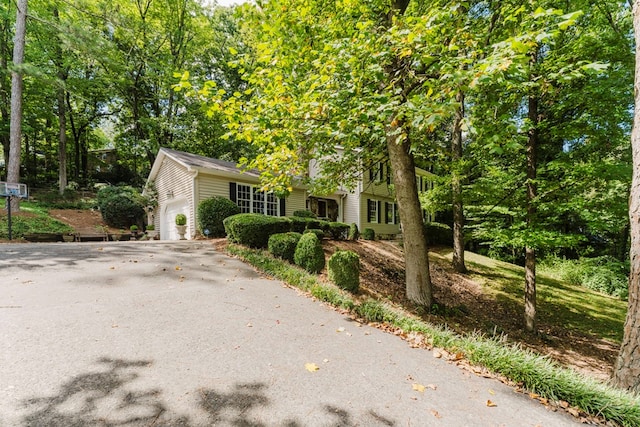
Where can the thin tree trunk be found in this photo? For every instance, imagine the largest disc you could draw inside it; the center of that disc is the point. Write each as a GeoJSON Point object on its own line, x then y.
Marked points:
{"type": "Point", "coordinates": [62, 114]}
{"type": "Point", "coordinates": [13, 169]}
{"type": "Point", "coordinates": [418, 279]}
{"type": "Point", "coordinates": [5, 87]}
{"type": "Point", "coordinates": [456, 188]}
{"type": "Point", "coordinates": [627, 371]}
{"type": "Point", "coordinates": [532, 190]}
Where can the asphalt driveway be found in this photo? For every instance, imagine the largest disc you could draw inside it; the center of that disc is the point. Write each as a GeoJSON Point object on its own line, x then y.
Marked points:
{"type": "Point", "coordinates": [176, 334]}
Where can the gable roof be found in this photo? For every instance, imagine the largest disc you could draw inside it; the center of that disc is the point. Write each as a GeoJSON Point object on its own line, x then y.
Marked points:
{"type": "Point", "coordinates": [197, 164]}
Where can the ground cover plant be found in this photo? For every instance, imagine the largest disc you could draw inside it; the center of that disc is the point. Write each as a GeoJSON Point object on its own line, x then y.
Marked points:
{"type": "Point", "coordinates": [32, 218]}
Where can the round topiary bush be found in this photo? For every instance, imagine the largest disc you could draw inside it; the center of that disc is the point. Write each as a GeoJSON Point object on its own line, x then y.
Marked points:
{"type": "Point", "coordinates": [344, 270]}
{"type": "Point", "coordinates": [121, 206]}
{"type": "Point", "coordinates": [283, 245]}
{"type": "Point", "coordinates": [309, 254]}
{"type": "Point", "coordinates": [212, 212]}
{"type": "Point", "coordinates": [369, 234]}
{"type": "Point", "coordinates": [354, 233]}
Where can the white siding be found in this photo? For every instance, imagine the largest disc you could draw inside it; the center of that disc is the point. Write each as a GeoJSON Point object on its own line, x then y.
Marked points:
{"type": "Point", "coordinates": [296, 201]}
{"type": "Point", "coordinates": [351, 209]}
{"type": "Point", "coordinates": [174, 182]}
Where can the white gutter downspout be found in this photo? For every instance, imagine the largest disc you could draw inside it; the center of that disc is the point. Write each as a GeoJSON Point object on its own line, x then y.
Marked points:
{"type": "Point", "coordinates": [192, 224]}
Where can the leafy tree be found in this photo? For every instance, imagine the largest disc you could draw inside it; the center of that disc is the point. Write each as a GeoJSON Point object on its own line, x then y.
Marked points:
{"type": "Point", "coordinates": [370, 77]}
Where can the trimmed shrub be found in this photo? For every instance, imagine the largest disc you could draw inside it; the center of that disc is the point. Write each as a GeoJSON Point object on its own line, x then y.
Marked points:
{"type": "Point", "coordinates": [438, 234]}
{"type": "Point", "coordinates": [254, 230]}
{"type": "Point", "coordinates": [298, 224]}
{"type": "Point", "coordinates": [121, 206]}
{"type": "Point", "coordinates": [309, 254]}
{"type": "Point", "coordinates": [181, 219]}
{"type": "Point", "coordinates": [313, 223]}
{"type": "Point", "coordinates": [304, 214]}
{"type": "Point", "coordinates": [319, 233]}
{"type": "Point", "coordinates": [211, 213]}
{"type": "Point", "coordinates": [369, 234]}
{"type": "Point", "coordinates": [354, 233]}
{"type": "Point", "coordinates": [344, 270]}
{"type": "Point", "coordinates": [324, 226]}
{"type": "Point", "coordinates": [283, 245]}
{"type": "Point", "coordinates": [338, 230]}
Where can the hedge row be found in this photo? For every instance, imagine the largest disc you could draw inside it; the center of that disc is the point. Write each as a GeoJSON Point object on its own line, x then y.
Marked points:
{"type": "Point", "coordinates": [254, 230]}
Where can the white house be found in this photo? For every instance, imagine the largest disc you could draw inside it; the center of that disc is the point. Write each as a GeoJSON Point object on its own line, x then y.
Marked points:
{"type": "Point", "coordinates": [183, 180]}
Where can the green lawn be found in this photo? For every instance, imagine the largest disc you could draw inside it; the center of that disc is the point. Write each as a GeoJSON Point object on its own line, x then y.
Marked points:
{"type": "Point", "coordinates": [559, 303]}
{"type": "Point", "coordinates": [32, 218]}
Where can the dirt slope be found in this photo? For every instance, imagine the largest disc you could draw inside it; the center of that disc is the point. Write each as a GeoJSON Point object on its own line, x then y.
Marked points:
{"type": "Point", "coordinates": [464, 307]}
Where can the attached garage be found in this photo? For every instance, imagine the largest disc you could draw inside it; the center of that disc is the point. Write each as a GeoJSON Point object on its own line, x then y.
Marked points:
{"type": "Point", "coordinates": [182, 180]}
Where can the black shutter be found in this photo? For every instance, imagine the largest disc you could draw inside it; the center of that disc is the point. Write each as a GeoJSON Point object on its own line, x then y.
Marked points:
{"type": "Point", "coordinates": [386, 212]}
{"type": "Point", "coordinates": [232, 192]}
{"type": "Point", "coordinates": [369, 210]}
{"type": "Point", "coordinates": [283, 211]}
{"type": "Point", "coordinates": [371, 175]}
{"type": "Point", "coordinates": [379, 211]}
{"type": "Point", "coordinates": [388, 174]}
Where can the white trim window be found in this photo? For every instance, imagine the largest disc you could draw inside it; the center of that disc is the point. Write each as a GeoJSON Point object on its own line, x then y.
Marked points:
{"type": "Point", "coordinates": [250, 199]}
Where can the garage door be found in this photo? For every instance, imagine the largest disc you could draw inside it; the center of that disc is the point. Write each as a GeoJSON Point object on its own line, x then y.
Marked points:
{"type": "Point", "coordinates": [168, 231]}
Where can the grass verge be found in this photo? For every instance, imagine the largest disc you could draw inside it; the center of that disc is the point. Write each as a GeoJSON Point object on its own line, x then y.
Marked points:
{"type": "Point", "coordinates": [535, 373]}
{"type": "Point", "coordinates": [32, 218]}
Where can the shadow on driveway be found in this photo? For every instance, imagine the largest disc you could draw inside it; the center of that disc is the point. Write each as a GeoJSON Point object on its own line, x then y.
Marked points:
{"type": "Point", "coordinates": [106, 397]}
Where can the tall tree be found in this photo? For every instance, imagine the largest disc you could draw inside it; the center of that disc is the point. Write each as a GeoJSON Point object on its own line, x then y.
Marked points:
{"type": "Point", "coordinates": [627, 370]}
{"type": "Point", "coordinates": [13, 169]}
{"type": "Point", "coordinates": [62, 74]}
{"type": "Point", "coordinates": [374, 78]}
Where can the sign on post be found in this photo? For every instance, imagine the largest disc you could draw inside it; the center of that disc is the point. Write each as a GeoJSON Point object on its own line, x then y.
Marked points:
{"type": "Point", "coordinates": [9, 190]}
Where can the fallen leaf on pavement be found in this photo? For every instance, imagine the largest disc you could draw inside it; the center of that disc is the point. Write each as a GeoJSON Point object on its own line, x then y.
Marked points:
{"type": "Point", "coordinates": [437, 354]}
{"type": "Point", "coordinates": [418, 387]}
{"type": "Point", "coordinates": [435, 413]}
{"type": "Point", "coordinates": [178, 268]}
{"type": "Point", "coordinates": [340, 329]}
{"type": "Point", "coordinates": [311, 367]}
{"type": "Point", "coordinates": [490, 404]}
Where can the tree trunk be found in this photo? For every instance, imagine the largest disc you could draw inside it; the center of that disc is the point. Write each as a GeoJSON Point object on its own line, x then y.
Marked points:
{"type": "Point", "coordinates": [62, 114]}
{"type": "Point", "coordinates": [456, 188]}
{"type": "Point", "coordinates": [5, 88]}
{"type": "Point", "coordinates": [627, 371]}
{"type": "Point", "coordinates": [532, 190]}
{"type": "Point", "coordinates": [418, 279]}
{"type": "Point", "coordinates": [62, 142]}
{"type": "Point", "coordinates": [13, 169]}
